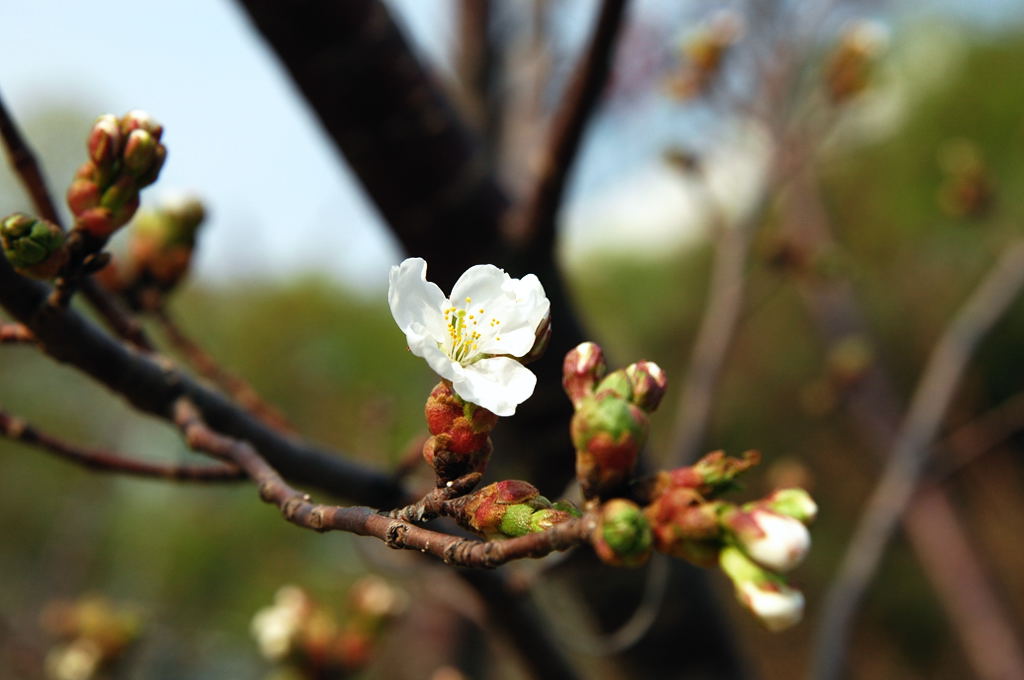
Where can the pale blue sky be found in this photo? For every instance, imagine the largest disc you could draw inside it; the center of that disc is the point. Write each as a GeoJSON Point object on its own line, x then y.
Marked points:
{"type": "Point", "coordinates": [280, 199]}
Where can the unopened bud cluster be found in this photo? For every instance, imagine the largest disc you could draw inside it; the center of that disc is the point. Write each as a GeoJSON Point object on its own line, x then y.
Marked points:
{"type": "Point", "coordinates": [125, 155]}
{"type": "Point", "coordinates": [92, 635]}
{"type": "Point", "coordinates": [512, 508]}
{"type": "Point", "coordinates": [460, 441]}
{"type": "Point", "coordinates": [34, 247]}
{"type": "Point", "coordinates": [754, 543]}
{"type": "Point", "coordinates": [160, 252]}
{"type": "Point", "coordinates": [611, 421]}
{"type": "Point", "coordinates": [312, 642]}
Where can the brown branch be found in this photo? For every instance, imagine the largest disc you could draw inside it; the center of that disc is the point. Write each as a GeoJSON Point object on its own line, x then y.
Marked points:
{"type": "Point", "coordinates": [152, 386]}
{"type": "Point", "coordinates": [536, 226]}
{"type": "Point", "coordinates": [297, 508]}
{"type": "Point", "coordinates": [716, 332]}
{"type": "Point", "coordinates": [434, 503]}
{"type": "Point", "coordinates": [15, 334]}
{"type": "Point", "coordinates": [424, 169]}
{"type": "Point", "coordinates": [982, 434]}
{"type": "Point", "coordinates": [96, 459]}
{"type": "Point", "coordinates": [26, 167]}
{"type": "Point", "coordinates": [237, 388]}
{"type": "Point", "coordinates": [910, 451]}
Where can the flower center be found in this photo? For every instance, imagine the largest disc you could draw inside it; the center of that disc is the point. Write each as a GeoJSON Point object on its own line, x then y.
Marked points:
{"type": "Point", "coordinates": [464, 330]}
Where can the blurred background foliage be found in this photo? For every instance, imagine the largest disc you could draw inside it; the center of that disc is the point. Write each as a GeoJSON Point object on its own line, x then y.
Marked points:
{"type": "Point", "coordinates": [199, 561]}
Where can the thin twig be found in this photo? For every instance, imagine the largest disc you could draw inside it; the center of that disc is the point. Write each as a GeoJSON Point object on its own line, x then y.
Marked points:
{"type": "Point", "coordinates": [96, 459]}
{"type": "Point", "coordinates": [960, 581]}
{"type": "Point", "coordinates": [716, 333]}
{"type": "Point", "coordinates": [15, 334]}
{"type": "Point", "coordinates": [910, 452]}
{"type": "Point", "coordinates": [26, 167]}
{"type": "Point", "coordinates": [396, 533]}
{"type": "Point", "coordinates": [237, 388]}
{"type": "Point", "coordinates": [536, 225]}
{"type": "Point", "coordinates": [982, 434]}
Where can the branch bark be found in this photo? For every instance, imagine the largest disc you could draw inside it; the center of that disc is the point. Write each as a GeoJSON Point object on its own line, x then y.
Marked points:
{"type": "Point", "coordinates": [152, 385]}
{"type": "Point", "coordinates": [95, 459]}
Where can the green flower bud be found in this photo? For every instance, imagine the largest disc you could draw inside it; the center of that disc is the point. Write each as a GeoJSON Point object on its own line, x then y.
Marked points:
{"type": "Point", "coordinates": [33, 247]}
{"type": "Point", "coordinates": [615, 384]}
{"type": "Point", "coordinates": [545, 518]}
{"type": "Point", "coordinates": [648, 384]}
{"type": "Point", "coordinates": [516, 520]}
{"type": "Point", "coordinates": [623, 534]}
{"type": "Point", "coordinates": [608, 434]}
{"type": "Point", "coordinates": [765, 594]}
{"type": "Point", "coordinates": [795, 503]}
{"type": "Point", "coordinates": [484, 511]}
{"type": "Point", "coordinates": [582, 368]}
{"type": "Point", "coordinates": [123, 191]}
{"type": "Point", "coordinates": [139, 152]}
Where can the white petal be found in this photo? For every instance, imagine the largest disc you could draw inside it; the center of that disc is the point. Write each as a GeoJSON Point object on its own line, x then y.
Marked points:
{"type": "Point", "coordinates": [783, 545]}
{"type": "Point", "coordinates": [521, 309]}
{"type": "Point", "coordinates": [426, 347]}
{"type": "Point", "coordinates": [481, 283]}
{"type": "Point", "coordinates": [413, 299]}
{"type": "Point", "coordinates": [499, 384]}
{"type": "Point", "coordinates": [779, 608]}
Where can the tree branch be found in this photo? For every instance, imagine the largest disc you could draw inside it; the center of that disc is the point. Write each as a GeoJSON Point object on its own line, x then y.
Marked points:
{"type": "Point", "coordinates": [152, 385]}
{"type": "Point", "coordinates": [424, 169]}
{"type": "Point", "coordinates": [910, 451]}
{"type": "Point", "coordinates": [95, 459]}
{"type": "Point", "coordinates": [536, 227]}
{"type": "Point", "coordinates": [235, 387]}
{"type": "Point", "coordinates": [396, 533]}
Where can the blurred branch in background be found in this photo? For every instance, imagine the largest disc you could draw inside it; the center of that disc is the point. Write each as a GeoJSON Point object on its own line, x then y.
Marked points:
{"type": "Point", "coordinates": [999, 655]}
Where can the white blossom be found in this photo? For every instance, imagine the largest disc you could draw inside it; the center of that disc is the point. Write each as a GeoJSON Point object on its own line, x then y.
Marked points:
{"type": "Point", "coordinates": [777, 606]}
{"type": "Point", "coordinates": [474, 337]}
{"type": "Point", "coordinates": [781, 542]}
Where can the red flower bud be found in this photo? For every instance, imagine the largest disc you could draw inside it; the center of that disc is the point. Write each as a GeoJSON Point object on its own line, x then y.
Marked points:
{"type": "Point", "coordinates": [608, 434]}
{"type": "Point", "coordinates": [583, 367]}
{"type": "Point", "coordinates": [648, 382]}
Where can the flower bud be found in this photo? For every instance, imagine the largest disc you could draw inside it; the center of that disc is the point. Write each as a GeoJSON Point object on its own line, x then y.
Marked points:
{"type": "Point", "coordinates": [484, 511]}
{"type": "Point", "coordinates": [516, 520]}
{"type": "Point", "coordinates": [615, 384]}
{"type": "Point", "coordinates": [104, 142]}
{"type": "Point", "coordinates": [795, 503]}
{"type": "Point", "coordinates": [774, 541]}
{"type": "Point", "coordinates": [163, 240]}
{"type": "Point", "coordinates": [119, 193]}
{"type": "Point", "coordinates": [718, 471]}
{"type": "Point", "coordinates": [648, 384]}
{"type": "Point", "coordinates": [623, 535]}
{"type": "Point", "coordinates": [277, 628]}
{"type": "Point", "coordinates": [141, 120]}
{"type": "Point", "coordinates": [766, 595]}
{"type": "Point", "coordinates": [82, 195]}
{"type": "Point", "coordinates": [33, 247]}
{"type": "Point", "coordinates": [139, 152]}
{"type": "Point", "coordinates": [97, 222]}
{"type": "Point", "coordinates": [608, 434]}
{"type": "Point", "coordinates": [545, 518]}
{"type": "Point", "coordinates": [467, 424]}
{"type": "Point", "coordinates": [582, 368]}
